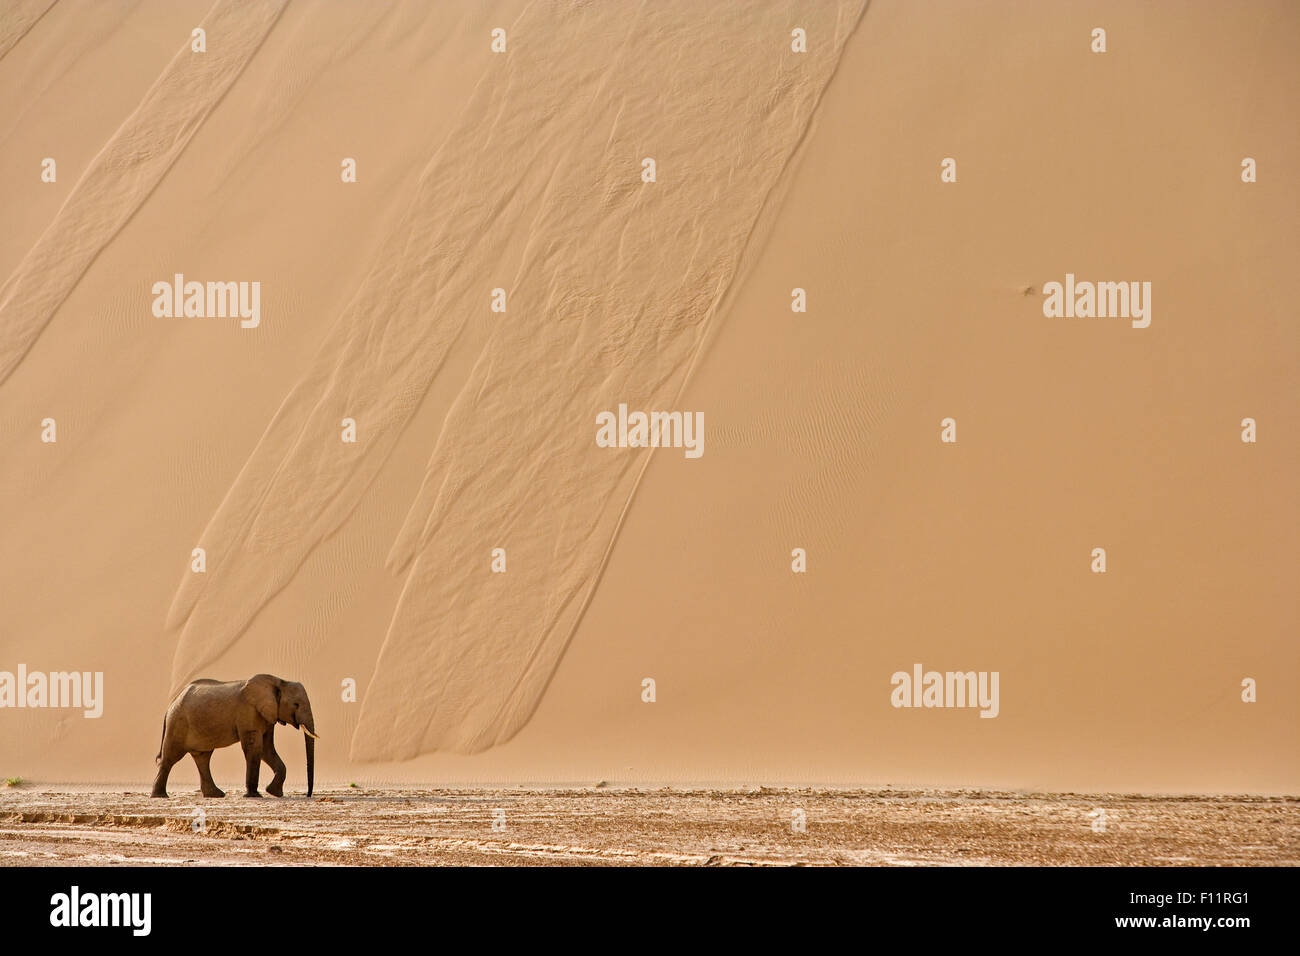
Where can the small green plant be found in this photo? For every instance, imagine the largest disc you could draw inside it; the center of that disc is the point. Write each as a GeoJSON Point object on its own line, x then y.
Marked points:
{"type": "Point", "coordinates": [14, 781]}
{"type": "Point", "coordinates": [354, 786]}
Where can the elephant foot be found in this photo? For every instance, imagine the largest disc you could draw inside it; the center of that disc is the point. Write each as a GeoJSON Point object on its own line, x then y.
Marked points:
{"type": "Point", "coordinates": [159, 793]}
{"type": "Point", "coordinates": [275, 790]}
{"type": "Point", "coordinates": [253, 794]}
{"type": "Point", "coordinates": [214, 794]}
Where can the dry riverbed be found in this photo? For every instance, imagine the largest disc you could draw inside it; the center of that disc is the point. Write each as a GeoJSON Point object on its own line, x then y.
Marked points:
{"type": "Point", "coordinates": [40, 826]}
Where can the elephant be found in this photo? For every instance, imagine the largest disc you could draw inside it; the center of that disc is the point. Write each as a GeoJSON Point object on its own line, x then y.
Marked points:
{"type": "Point", "coordinates": [209, 714]}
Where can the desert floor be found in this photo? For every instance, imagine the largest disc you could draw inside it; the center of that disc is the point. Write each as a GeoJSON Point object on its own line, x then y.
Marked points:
{"type": "Point", "coordinates": [604, 826]}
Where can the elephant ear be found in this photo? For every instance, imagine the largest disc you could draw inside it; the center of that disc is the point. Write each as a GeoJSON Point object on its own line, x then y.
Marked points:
{"type": "Point", "coordinates": [263, 693]}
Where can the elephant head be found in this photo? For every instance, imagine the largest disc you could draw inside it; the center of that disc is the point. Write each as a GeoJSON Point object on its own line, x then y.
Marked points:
{"type": "Point", "coordinates": [285, 702]}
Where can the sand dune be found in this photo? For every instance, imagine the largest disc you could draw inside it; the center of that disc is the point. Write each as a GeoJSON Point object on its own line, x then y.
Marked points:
{"type": "Point", "coordinates": [19, 17]}
{"type": "Point", "coordinates": [618, 282]}
{"type": "Point", "coordinates": [126, 171]}
{"type": "Point", "coordinates": [372, 562]}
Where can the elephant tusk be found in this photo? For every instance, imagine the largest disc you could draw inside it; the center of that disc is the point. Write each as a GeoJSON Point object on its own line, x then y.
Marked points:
{"type": "Point", "coordinates": [310, 734]}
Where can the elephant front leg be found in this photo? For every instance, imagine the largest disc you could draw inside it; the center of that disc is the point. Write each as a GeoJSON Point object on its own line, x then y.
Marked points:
{"type": "Point", "coordinates": [276, 787]}
{"type": "Point", "coordinates": [252, 742]}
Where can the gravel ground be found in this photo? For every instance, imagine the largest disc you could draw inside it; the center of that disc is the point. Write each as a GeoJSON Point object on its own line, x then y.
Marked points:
{"type": "Point", "coordinates": [603, 826]}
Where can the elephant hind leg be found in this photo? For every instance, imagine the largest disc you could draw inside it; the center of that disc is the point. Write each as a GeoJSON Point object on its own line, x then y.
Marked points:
{"type": "Point", "coordinates": [276, 787]}
{"type": "Point", "coordinates": [160, 781]}
{"type": "Point", "coordinates": [202, 759]}
{"type": "Point", "coordinates": [168, 759]}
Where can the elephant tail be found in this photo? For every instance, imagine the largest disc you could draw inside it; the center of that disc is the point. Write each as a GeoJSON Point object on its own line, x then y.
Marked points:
{"type": "Point", "coordinates": [162, 742]}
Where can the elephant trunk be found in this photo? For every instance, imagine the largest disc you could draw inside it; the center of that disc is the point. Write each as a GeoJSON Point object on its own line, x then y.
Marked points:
{"type": "Point", "coordinates": [309, 738]}
{"type": "Point", "coordinates": [311, 762]}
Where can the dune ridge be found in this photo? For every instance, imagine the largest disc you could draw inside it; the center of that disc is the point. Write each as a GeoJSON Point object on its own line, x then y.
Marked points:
{"type": "Point", "coordinates": [590, 323]}
{"type": "Point", "coordinates": [17, 18]}
{"type": "Point", "coordinates": [127, 170]}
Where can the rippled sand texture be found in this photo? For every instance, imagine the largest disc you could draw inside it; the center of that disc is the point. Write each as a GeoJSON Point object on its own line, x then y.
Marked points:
{"type": "Point", "coordinates": [618, 284]}
{"type": "Point", "coordinates": [17, 17]}
{"type": "Point", "coordinates": [126, 171]}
